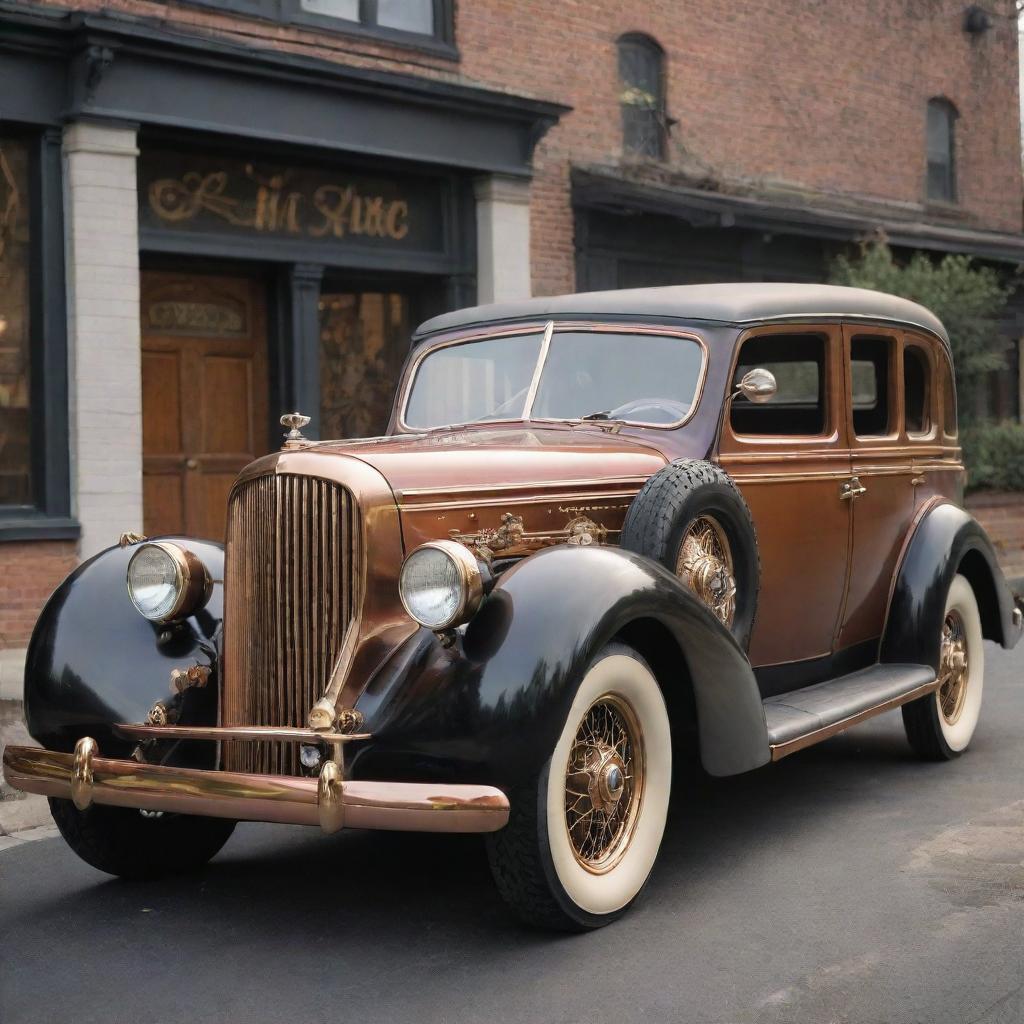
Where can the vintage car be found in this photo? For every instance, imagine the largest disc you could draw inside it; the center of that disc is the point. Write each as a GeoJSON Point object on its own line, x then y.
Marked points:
{"type": "Point", "coordinates": [723, 518]}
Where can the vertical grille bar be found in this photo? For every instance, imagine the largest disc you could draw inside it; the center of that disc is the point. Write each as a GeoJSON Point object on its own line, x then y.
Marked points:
{"type": "Point", "coordinates": [293, 568]}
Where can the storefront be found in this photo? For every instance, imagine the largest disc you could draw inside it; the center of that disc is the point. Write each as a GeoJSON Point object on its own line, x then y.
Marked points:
{"type": "Point", "coordinates": [206, 236]}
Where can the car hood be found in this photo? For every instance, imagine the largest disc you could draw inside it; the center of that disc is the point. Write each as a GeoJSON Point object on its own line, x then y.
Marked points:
{"type": "Point", "coordinates": [466, 480]}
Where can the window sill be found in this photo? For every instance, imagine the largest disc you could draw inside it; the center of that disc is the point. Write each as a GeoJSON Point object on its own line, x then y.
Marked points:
{"type": "Point", "coordinates": [26, 525]}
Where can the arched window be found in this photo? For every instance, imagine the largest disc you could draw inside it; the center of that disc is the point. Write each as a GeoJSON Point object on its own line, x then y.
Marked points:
{"type": "Point", "coordinates": [941, 181]}
{"type": "Point", "coordinates": [642, 96]}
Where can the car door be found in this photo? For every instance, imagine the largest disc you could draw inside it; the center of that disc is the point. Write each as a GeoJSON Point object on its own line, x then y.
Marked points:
{"type": "Point", "coordinates": [885, 375]}
{"type": "Point", "coordinates": [790, 459]}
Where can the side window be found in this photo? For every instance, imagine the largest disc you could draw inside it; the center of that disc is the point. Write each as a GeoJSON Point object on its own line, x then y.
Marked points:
{"type": "Point", "coordinates": [799, 408]}
{"type": "Point", "coordinates": [916, 390]}
{"type": "Point", "coordinates": [871, 369]}
{"type": "Point", "coordinates": [948, 397]}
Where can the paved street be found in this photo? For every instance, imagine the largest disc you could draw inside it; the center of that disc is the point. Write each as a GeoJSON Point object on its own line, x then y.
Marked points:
{"type": "Point", "coordinates": [850, 883]}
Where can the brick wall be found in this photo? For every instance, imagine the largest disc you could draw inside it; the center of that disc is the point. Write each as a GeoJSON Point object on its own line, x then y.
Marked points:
{"type": "Point", "coordinates": [801, 96]}
{"type": "Point", "coordinates": [1002, 515]}
{"type": "Point", "coordinates": [30, 572]}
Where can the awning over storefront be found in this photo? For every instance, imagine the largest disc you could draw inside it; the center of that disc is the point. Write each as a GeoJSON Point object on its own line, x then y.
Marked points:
{"type": "Point", "coordinates": [806, 216]}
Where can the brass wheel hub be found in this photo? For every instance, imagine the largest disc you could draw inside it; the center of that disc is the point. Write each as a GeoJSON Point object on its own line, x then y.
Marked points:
{"type": "Point", "coordinates": [705, 566]}
{"type": "Point", "coordinates": [954, 668]}
{"type": "Point", "coordinates": [603, 784]}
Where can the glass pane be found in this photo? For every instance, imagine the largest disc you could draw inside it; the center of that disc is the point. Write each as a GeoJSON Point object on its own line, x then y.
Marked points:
{"type": "Point", "coordinates": [798, 408]}
{"type": "Point", "coordinates": [480, 380]}
{"type": "Point", "coordinates": [641, 378]}
{"type": "Point", "coordinates": [915, 391]}
{"type": "Point", "coordinates": [407, 15]}
{"type": "Point", "coordinates": [15, 423]}
{"type": "Point", "coordinates": [870, 361]}
{"type": "Point", "coordinates": [364, 339]}
{"type": "Point", "coordinates": [347, 10]}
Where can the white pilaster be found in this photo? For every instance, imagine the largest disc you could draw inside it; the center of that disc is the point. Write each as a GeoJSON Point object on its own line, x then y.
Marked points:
{"type": "Point", "coordinates": [105, 389]}
{"type": "Point", "coordinates": [502, 238]}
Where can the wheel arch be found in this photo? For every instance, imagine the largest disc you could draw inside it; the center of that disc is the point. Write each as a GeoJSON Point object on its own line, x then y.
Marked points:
{"type": "Point", "coordinates": [946, 540]}
{"type": "Point", "coordinates": [498, 700]}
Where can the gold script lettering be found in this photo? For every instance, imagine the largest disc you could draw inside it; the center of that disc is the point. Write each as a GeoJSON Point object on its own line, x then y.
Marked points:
{"type": "Point", "coordinates": [398, 219]}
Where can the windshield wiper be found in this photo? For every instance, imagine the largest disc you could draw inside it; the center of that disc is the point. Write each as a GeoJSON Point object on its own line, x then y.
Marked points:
{"type": "Point", "coordinates": [605, 414]}
{"type": "Point", "coordinates": [602, 419]}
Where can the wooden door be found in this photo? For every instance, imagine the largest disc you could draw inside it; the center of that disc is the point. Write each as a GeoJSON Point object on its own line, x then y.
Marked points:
{"type": "Point", "coordinates": [204, 397]}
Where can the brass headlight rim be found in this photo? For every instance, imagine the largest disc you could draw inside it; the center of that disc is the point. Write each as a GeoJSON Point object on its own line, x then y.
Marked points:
{"type": "Point", "coordinates": [471, 581]}
{"type": "Point", "coordinates": [194, 584]}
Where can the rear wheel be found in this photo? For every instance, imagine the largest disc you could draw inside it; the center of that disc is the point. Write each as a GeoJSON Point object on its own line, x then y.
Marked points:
{"type": "Point", "coordinates": [584, 834]}
{"type": "Point", "coordinates": [132, 844]}
{"type": "Point", "coordinates": [941, 725]}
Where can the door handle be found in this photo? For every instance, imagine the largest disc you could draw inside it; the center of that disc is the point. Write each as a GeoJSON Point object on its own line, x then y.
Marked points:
{"type": "Point", "coordinates": [852, 488]}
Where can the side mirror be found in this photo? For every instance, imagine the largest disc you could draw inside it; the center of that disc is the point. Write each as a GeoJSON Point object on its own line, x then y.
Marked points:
{"type": "Point", "coordinates": [757, 385]}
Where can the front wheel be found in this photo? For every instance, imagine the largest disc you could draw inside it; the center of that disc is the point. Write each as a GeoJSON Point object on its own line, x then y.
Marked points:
{"type": "Point", "coordinates": [133, 844]}
{"type": "Point", "coordinates": [584, 834]}
{"type": "Point", "coordinates": [940, 726]}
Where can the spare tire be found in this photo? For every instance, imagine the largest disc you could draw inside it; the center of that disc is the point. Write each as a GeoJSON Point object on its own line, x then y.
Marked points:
{"type": "Point", "coordinates": [691, 518]}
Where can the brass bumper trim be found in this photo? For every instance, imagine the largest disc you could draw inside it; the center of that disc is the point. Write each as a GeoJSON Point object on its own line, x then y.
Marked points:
{"type": "Point", "coordinates": [330, 803]}
{"type": "Point", "coordinates": [279, 734]}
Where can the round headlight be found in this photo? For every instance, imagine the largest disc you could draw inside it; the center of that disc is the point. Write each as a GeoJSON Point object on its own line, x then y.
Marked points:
{"type": "Point", "coordinates": [441, 584]}
{"type": "Point", "coordinates": [167, 582]}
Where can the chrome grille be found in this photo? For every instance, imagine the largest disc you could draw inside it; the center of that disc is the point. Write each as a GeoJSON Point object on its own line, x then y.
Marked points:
{"type": "Point", "coordinates": [292, 572]}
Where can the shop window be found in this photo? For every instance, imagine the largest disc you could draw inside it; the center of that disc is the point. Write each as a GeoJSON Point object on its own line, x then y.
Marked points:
{"type": "Point", "coordinates": [916, 390]}
{"type": "Point", "coordinates": [642, 96]}
{"type": "Point", "coordinates": [871, 371]}
{"type": "Point", "coordinates": [364, 339]}
{"type": "Point", "coordinates": [941, 180]}
{"type": "Point", "coordinates": [15, 352]}
{"type": "Point", "coordinates": [34, 492]}
{"type": "Point", "coordinates": [799, 406]}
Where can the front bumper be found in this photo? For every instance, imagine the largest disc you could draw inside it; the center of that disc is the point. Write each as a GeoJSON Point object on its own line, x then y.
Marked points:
{"type": "Point", "coordinates": [329, 801]}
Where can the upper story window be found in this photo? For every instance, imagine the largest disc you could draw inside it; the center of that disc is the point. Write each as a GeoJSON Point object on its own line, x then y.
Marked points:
{"type": "Point", "coordinates": [642, 96]}
{"type": "Point", "coordinates": [419, 23]}
{"type": "Point", "coordinates": [941, 180]}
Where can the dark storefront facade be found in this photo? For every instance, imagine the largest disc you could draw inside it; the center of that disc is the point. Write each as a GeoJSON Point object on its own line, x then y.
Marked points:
{"type": "Point", "coordinates": [239, 233]}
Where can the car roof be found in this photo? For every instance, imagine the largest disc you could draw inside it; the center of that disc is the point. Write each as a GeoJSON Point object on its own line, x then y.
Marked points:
{"type": "Point", "coordinates": [740, 303]}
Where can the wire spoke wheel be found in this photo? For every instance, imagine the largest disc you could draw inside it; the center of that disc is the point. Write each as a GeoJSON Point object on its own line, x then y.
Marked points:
{"type": "Point", "coordinates": [954, 668]}
{"type": "Point", "coordinates": [705, 565]}
{"type": "Point", "coordinates": [604, 782]}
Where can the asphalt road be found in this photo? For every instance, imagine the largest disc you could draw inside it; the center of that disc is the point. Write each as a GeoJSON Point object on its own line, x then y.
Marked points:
{"type": "Point", "coordinates": [848, 883]}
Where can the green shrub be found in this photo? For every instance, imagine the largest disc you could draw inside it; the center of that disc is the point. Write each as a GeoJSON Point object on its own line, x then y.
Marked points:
{"type": "Point", "coordinates": [994, 454]}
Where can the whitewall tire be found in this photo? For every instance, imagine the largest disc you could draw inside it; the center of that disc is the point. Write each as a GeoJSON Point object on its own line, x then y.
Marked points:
{"type": "Point", "coordinates": [583, 837]}
{"type": "Point", "coordinates": [941, 725]}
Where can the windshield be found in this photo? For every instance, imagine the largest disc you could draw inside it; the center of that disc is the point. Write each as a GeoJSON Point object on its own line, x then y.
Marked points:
{"type": "Point", "coordinates": [615, 375]}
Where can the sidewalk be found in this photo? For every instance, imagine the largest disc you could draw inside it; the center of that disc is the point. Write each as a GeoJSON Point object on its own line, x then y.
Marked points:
{"type": "Point", "coordinates": [23, 817]}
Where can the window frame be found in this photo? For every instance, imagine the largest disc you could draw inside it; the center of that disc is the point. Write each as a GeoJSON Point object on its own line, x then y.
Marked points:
{"type": "Point", "coordinates": [931, 409]}
{"type": "Point", "coordinates": [290, 12]}
{"type": "Point", "coordinates": [643, 42]}
{"type": "Point", "coordinates": [833, 432]}
{"type": "Point", "coordinates": [894, 435]}
{"type": "Point", "coordinates": [951, 115]}
{"type": "Point", "coordinates": [49, 516]}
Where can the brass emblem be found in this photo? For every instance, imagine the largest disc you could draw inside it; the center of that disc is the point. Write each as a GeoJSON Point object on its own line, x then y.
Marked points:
{"type": "Point", "coordinates": [127, 539]}
{"type": "Point", "coordinates": [295, 421]}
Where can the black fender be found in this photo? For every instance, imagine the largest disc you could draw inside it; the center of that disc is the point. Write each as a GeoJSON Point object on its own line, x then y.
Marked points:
{"type": "Point", "coordinates": [489, 708]}
{"type": "Point", "coordinates": [93, 660]}
{"type": "Point", "coordinates": [946, 541]}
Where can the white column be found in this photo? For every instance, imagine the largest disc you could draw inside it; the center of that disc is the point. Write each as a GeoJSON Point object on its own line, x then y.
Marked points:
{"type": "Point", "coordinates": [502, 238]}
{"type": "Point", "coordinates": [105, 386]}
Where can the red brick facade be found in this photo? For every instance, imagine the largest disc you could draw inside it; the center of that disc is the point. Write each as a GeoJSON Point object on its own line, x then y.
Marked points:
{"type": "Point", "coordinates": [822, 101]}
{"type": "Point", "coordinates": [1002, 515]}
{"type": "Point", "coordinates": [29, 573]}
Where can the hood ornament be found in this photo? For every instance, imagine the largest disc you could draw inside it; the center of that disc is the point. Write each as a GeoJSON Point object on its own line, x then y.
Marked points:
{"type": "Point", "coordinates": [295, 421]}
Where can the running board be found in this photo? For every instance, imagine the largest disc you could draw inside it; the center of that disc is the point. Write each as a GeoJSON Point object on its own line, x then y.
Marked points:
{"type": "Point", "coordinates": [804, 717]}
